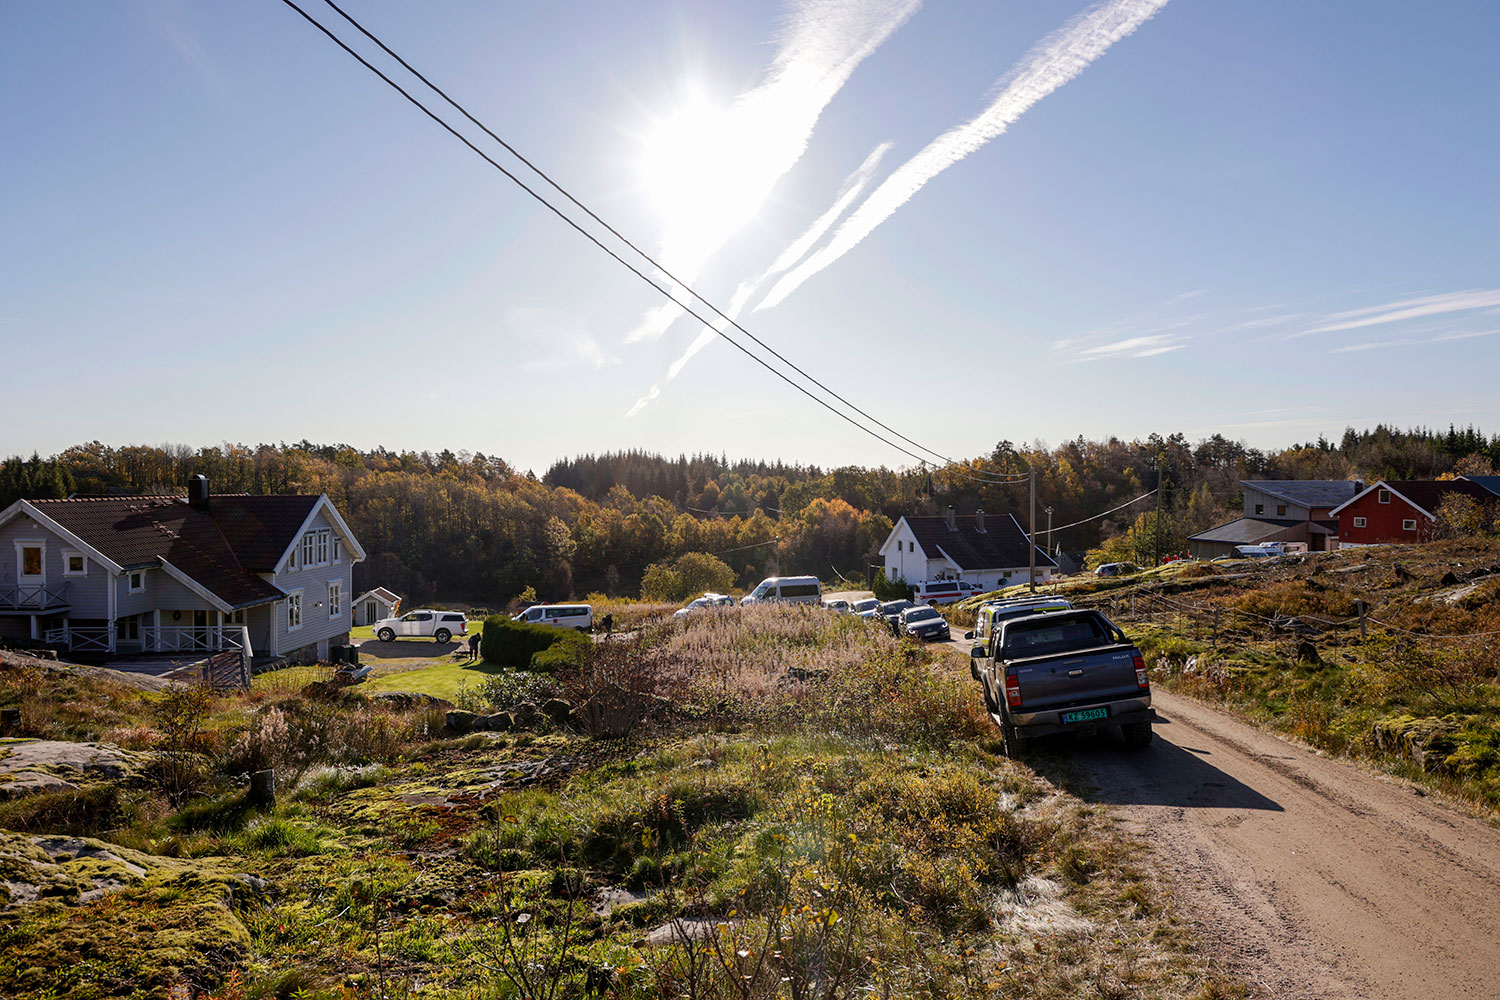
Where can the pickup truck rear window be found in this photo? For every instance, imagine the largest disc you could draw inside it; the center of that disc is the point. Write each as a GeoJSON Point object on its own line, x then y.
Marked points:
{"type": "Point", "coordinates": [1043, 638]}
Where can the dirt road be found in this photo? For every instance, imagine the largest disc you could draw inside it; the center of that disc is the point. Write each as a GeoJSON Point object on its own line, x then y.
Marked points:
{"type": "Point", "coordinates": [1311, 878]}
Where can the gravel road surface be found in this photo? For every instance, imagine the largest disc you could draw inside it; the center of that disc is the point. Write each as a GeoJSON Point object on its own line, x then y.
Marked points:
{"type": "Point", "coordinates": [1309, 877]}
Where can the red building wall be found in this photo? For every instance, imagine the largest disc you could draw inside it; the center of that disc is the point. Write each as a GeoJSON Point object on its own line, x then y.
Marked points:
{"type": "Point", "coordinates": [1382, 521]}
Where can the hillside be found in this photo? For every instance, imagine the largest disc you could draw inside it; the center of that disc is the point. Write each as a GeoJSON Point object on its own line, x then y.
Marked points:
{"type": "Point", "coordinates": [769, 802]}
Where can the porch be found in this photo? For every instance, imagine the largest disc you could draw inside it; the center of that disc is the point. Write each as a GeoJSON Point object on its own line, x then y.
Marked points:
{"type": "Point", "coordinates": [221, 653]}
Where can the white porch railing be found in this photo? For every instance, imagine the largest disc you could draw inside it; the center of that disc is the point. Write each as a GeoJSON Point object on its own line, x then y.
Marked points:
{"type": "Point", "coordinates": [230, 642]}
{"type": "Point", "coordinates": [33, 597]}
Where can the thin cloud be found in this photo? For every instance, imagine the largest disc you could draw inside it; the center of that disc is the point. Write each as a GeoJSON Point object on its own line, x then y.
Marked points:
{"type": "Point", "coordinates": [1057, 59]}
{"type": "Point", "coordinates": [768, 128]}
{"type": "Point", "coordinates": [849, 191]}
{"type": "Point", "coordinates": [1131, 347]}
{"type": "Point", "coordinates": [1446, 338]}
{"type": "Point", "coordinates": [1396, 312]}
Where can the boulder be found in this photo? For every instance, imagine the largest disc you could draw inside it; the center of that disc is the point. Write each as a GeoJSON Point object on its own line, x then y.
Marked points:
{"type": "Point", "coordinates": [459, 721]}
{"type": "Point", "coordinates": [525, 715]}
{"type": "Point", "coordinates": [559, 710]}
{"type": "Point", "coordinates": [1307, 652]}
{"type": "Point", "coordinates": [499, 722]}
{"type": "Point", "coordinates": [30, 766]}
{"type": "Point", "coordinates": [406, 700]}
{"type": "Point", "coordinates": [1450, 579]}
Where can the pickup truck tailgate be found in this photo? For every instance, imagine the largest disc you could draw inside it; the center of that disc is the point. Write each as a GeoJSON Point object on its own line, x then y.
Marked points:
{"type": "Point", "coordinates": [1066, 679]}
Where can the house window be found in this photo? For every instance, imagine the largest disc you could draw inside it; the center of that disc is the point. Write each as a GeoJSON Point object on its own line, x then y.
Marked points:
{"type": "Point", "coordinates": [31, 560]}
{"type": "Point", "coordinates": [338, 548]}
{"type": "Point", "coordinates": [1359, 522]}
{"type": "Point", "coordinates": [322, 542]}
{"type": "Point", "coordinates": [136, 581]}
{"type": "Point", "coordinates": [1382, 496]}
{"type": "Point", "coordinates": [1260, 508]}
{"type": "Point", "coordinates": [1410, 524]}
{"type": "Point", "coordinates": [307, 549]}
{"type": "Point", "coordinates": [1281, 510]}
{"type": "Point", "coordinates": [74, 563]}
{"type": "Point", "coordinates": [128, 629]}
{"type": "Point", "coordinates": [294, 611]}
{"type": "Point", "coordinates": [235, 617]}
{"type": "Point", "coordinates": [335, 599]}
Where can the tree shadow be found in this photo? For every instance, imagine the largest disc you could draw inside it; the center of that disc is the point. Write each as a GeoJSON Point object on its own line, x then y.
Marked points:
{"type": "Point", "coordinates": [1102, 769]}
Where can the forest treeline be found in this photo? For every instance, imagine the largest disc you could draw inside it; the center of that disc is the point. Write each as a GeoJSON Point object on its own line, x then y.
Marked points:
{"type": "Point", "coordinates": [463, 526]}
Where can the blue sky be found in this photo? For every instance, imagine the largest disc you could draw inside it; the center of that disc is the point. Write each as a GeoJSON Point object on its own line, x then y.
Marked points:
{"type": "Point", "coordinates": [1266, 219]}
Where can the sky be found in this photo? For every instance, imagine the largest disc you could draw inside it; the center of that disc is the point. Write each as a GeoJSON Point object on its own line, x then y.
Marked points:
{"type": "Point", "coordinates": [1005, 220]}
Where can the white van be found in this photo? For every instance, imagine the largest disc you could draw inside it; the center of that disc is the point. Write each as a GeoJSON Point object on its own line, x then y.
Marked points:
{"type": "Point", "coordinates": [793, 589]}
{"type": "Point", "coordinates": [937, 592]}
{"type": "Point", "coordinates": [577, 616]}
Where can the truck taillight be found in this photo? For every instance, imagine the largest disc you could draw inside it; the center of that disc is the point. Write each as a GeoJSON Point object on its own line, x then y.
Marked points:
{"type": "Point", "coordinates": [1013, 690]}
{"type": "Point", "coordinates": [1140, 674]}
{"type": "Point", "coordinates": [463, 629]}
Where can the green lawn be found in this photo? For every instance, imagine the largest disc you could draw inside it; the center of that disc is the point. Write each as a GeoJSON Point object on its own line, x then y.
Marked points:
{"type": "Point", "coordinates": [442, 679]}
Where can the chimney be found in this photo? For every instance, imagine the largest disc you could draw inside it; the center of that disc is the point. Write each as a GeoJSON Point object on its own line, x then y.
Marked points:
{"type": "Point", "coordinates": [952, 519]}
{"type": "Point", "coordinates": [979, 519]}
{"type": "Point", "coordinates": [198, 493]}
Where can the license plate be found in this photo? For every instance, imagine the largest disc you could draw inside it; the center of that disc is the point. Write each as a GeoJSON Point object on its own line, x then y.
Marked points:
{"type": "Point", "coordinates": [1086, 715]}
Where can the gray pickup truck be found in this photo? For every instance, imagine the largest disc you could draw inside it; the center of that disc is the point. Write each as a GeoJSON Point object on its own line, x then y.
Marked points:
{"type": "Point", "coordinates": [1063, 672]}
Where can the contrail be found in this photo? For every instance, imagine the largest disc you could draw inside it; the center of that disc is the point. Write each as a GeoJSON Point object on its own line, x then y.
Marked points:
{"type": "Point", "coordinates": [767, 130]}
{"type": "Point", "coordinates": [850, 190]}
{"type": "Point", "coordinates": [1052, 62]}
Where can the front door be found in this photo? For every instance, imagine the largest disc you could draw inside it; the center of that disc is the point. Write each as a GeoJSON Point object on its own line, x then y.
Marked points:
{"type": "Point", "coordinates": [30, 574]}
{"type": "Point", "coordinates": [372, 614]}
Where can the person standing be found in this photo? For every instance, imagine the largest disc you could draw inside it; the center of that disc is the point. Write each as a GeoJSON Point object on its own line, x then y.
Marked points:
{"type": "Point", "coordinates": [474, 646]}
{"type": "Point", "coordinates": [609, 624]}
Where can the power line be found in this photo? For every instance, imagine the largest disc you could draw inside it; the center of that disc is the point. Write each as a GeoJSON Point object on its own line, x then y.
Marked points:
{"type": "Point", "coordinates": [1096, 517]}
{"type": "Point", "coordinates": [593, 239]}
{"type": "Point", "coordinates": [611, 229]}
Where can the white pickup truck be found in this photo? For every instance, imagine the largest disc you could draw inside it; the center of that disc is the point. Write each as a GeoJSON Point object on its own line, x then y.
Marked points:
{"type": "Point", "coordinates": [440, 626]}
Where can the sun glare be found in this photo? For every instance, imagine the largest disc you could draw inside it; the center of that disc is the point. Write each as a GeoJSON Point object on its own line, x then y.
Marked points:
{"type": "Point", "coordinates": [701, 170]}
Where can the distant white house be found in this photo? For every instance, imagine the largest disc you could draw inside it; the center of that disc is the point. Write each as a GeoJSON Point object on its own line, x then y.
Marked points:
{"type": "Point", "coordinates": [373, 605]}
{"type": "Point", "coordinates": [990, 552]}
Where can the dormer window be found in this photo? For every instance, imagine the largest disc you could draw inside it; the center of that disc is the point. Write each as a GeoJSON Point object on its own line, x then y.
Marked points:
{"type": "Point", "coordinates": [1382, 496]}
{"type": "Point", "coordinates": [136, 581]}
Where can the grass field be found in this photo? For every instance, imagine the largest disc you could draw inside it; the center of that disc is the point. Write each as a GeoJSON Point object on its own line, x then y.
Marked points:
{"type": "Point", "coordinates": [440, 679]}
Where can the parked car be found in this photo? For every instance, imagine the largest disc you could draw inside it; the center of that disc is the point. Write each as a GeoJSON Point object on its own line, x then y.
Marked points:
{"type": "Point", "coordinates": [1063, 672]}
{"type": "Point", "coordinates": [793, 589]}
{"type": "Point", "coordinates": [943, 591]}
{"type": "Point", "coordinates": [869, 607]}
{"type": "Point", "coordinates": [709, 600]}
{"type": "Point", "coordinates": [440, 626]}
{"type": "Point", "coordinates": [890, 613]}
{"type": "Point", "coordinates": [1117, 569]}
{"type": "Point", "coordinates": [574, 616]}
{"type": "Point", "coordinates": [838, 604]}
{"type": "Point", "coordinates": [1270, 551]}
{"type": "Point", "coordinates": [924, 622]}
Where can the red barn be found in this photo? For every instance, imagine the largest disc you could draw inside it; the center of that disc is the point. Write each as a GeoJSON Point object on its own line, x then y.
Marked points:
{"type": "Point", "coordinates": [1396, 512]}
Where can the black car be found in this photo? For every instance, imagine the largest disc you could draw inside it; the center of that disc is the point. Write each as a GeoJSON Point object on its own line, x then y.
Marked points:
{"type": "Point", "coordinates": [925, 623]}
{"type": "Point", "coordinates": [890, 613]}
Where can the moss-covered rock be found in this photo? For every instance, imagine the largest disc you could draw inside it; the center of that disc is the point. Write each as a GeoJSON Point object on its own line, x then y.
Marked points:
{"type": "Point", "coordinates": [30, 766]}
{"type": "Point", "coordinates": [86, 919]}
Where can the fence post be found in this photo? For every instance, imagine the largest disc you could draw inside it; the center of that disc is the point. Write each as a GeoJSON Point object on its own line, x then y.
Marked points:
{"type": "Point", "coordinates": [1215, 642]}
{"type": "Point", "coordinates": [1361, 607]}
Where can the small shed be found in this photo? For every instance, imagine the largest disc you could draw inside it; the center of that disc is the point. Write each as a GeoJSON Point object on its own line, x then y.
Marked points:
{"type": "Point", "coordinates": [373, 605]}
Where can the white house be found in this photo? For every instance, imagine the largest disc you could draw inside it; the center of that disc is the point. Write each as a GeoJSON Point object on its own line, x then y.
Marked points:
{"type": "Point", "coordinates": [990, 552]}
{"type": "Point", "coordinates": [269, 575]}
{"type": "Point", "coordinates": [373, 605]}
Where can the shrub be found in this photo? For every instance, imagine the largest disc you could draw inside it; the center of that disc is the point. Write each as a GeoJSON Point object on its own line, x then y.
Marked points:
{"type": "Point", "coordinates": [568, 649]}
{"type": "Point", "coordinates": [890, 589]}
{"type": "Point", "coordinates": [513, 644]}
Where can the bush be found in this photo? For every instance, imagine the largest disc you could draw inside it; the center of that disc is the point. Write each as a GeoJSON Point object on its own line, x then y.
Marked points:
{"type": "Point", "coordinates": [689, 575]}
{"type": "Point", "coordinates": [520, 644]}
{"type": "Point", "coordinates": [891, 589]}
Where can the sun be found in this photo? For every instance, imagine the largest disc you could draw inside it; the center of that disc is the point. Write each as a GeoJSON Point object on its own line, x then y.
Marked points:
{"type": "Point", "coordinates": [701, 170]}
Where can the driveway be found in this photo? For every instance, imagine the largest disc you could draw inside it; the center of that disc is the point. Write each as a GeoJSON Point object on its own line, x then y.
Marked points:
{"type": "Point", "coordinates": [1312, 878]}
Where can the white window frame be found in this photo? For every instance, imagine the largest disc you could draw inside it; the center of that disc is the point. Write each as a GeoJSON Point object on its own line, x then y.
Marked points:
{"type": "Point", "coordinates": [338, 549]}
{"type": "Point", "coordinates": [130, 584]}
{"type": "Point", "coordinates": [70, 554]}
{"type": "Point", "coordinates": [321, 546]}
{"type": "Point", "coordinates": [335, 598]}
{"type": "Point", "coordinates": [1359, 522]}
{"type": "Point", "coordinates": [307, 550]}
{"type": "Point", "coordinates": [23, 578]}
{"type": "Point", "coordinates": [293, 610]}
{"type": "Point", "coordinates": [1409, 524]}
{"type": "Point", "coordinates": [1382, 496]}
{"type": "Point", "coordinates": [291, 561]}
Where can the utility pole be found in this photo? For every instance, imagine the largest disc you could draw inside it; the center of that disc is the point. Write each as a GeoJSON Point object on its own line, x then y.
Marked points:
{"type": "Point", "coordinates": [1031, 530]}
{"type": "Point", "coordinates": [1048, 511]}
